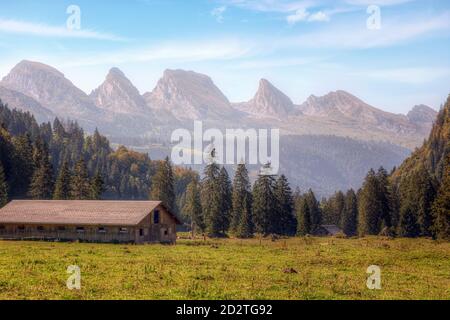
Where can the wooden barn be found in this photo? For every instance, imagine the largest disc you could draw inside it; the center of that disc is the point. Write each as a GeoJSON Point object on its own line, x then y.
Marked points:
{"type": "Point", "coordinates": [90, 221]}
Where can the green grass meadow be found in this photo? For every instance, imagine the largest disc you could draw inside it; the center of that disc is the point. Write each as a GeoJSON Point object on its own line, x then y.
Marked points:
{"type": "Point", "coordinates": [327, 268]}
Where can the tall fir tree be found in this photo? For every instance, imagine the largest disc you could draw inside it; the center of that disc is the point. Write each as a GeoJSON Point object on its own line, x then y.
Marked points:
{"type": "Point", "coordinates": [338, 205]}
{"type": "Point", "coordinates": [264, 204]}
{"type": "Point", "coordinates": [211, 200]}
{"type": "Point", "coordinates": [23, 165]}
{"type": "Point", "coordinates": [225, 199]}
{"type": "Point", "coordinates": [349, 221]}
{"type": "Point", "coordinates": [3, 187]}
{"type": "Point", "coordinates": [163, 185]}
{"type": "Point", "coordinates": [384, 197]}
{"type": "Point", "coordinates": [246, 226]}
{"type": "Point", "coordinates": [314, 211]}
{"type": "Point", "coordinates": [41, 186]}
{"type": "Point", "coordinates": [369, 220]}
{"type": "Point", "coordinates": [441, 206]}
{"type": "Point", "coordinates": [80, 187]}
{"type": "Point", "coordinates": [241, 201]}
{"type": "Point", "coordinates": [424, 193]}
{"type": "Point", "coordinates": [408, 226]}
{"type": "Point", "coordinates": [63, 183]}
{"type": "Point", "coordinates": [97, 187]}
{"type": "Point", "coordinates": [285, 222]}
{"type": "Point", "coordinates": [303, 216]}
{"type": "Point", "coordinates": [193, 208]}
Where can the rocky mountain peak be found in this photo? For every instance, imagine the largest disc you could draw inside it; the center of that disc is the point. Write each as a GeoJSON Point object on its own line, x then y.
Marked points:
{"type": "Point", "coordinates": [268, 102]}
{"type": "Point", "coordinates": [50, 88]}
{"type": "Point", "coordinates": [189, 95]}
{"type": "Point", "coordinates": [117, 94]}
{"type": "Point", "coordinates": [422, 114]}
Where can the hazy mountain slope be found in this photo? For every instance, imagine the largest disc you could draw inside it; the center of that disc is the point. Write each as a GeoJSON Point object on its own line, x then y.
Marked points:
{"type": "Point", "coordinates": [27, 104]}
{"type": "Point", "coordinates": [189, 95]}
{"type": "Point", "coordinates": [52, 90]}
{"type": "Point", "coordinates": [342, 105]}
{"type": "Point", "coordinates": [329, 163]}
{"type": "Point", "coordinates": [267, 102]}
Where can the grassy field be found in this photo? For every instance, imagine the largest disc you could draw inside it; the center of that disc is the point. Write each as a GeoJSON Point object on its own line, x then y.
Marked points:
{"type": "Point", "coordinates": [327, 268]}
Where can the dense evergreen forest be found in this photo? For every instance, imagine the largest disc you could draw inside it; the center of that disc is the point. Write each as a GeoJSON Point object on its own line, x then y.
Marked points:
{"type": "Point", "coordinates": [60, 162]}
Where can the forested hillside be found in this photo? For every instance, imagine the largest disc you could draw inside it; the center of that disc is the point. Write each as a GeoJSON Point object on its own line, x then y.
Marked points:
{"type": "Point", "coordinates": [57, 160]}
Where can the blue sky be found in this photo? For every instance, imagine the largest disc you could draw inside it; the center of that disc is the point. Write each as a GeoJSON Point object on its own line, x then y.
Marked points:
{"type": "Point", "coordinates": [303, 47]}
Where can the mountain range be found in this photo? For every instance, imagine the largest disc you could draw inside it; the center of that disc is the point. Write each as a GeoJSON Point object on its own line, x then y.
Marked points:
{"type": "Point", "coordinates": [122, 113]}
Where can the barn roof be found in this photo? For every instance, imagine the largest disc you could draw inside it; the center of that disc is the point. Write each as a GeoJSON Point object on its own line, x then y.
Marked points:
{"type": "Point", "coordinates": [77, 212]}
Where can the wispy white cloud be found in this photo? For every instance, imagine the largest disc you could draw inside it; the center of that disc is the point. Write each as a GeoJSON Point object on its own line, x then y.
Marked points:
{"type": "Point", "coordinates": [218, 12]}
{"type": "Point", "coordinates": [303, 15]}
{"type": "Point", "coordinates": [44, 30]}
{"type": "Point", "coordinates": [353, 36]}
{"type": "Point", "coordinates": [282, 6]}
{"type": "Point", "coordinates": [414, 76]}
{"type": "Point", "coordinates": [377, 2]}
{"type": "Point", "coordinates": [274, 63]}
{"type": "Point", "coordinates": [221, 49]}
{"type": "Point", "coordinates": [299, 15]}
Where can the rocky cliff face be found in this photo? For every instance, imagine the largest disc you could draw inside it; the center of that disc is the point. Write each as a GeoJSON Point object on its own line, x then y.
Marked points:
{"type": "Point", "coordinates": [422, 114]}
{"type": "Point", "coordinates": [268, 102]}
{"type": "Point", "coordinates": [118, 95]}
{"type": "Point", "coordinates": [189, 95]}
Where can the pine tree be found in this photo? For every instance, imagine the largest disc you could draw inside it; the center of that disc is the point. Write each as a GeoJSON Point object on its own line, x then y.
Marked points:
{"type": "Point", "coordinates": [162, 188]}
{"type": "Point", "coordinates": [284, 223]}
{"type": "Point", "coordinates": [193, 209]}
{"type": "Point", "coordinates": [441, 206]}
{"type": "Point", "coordinates": [338, 205]}
{"type": "Point", "coordinates": [384, 196]}
{"type": "Point", "coordinates": [211, 200]}
{"type": "Point", "coordinates": [23, 165]}
{"type": "Point", "coordinates": [240, 197]}
{"type": "Point", "coordinates": [264, 204]}
{"type": "Point", "coordinates": [303, 217]}
{"type": "Point", "coordinates": [246, 227]}
{"type": "Point", "coordinates": [395, 206]}
{"type": "Point", "coordinates": [225, 199]}
{"type": "Point", "coordinates": [424, 193]}
{"type": "Point", "coordinates": [80, 188]}
{"type": "Point", "coordinates": [369, 220]}
{"type": "Point", "coordinates": [408, 226]}
{"type": "Point", "coordinates": [97, 187]}
{"type": "Point", "coordinates": [41, 186]}
{"type": "Point", "coordinates": [314, 212]}
{"type": "Point", "coordinates": [3, 188]}
{"type": "Point", "coordinates": [62, 185]}
{"type": "Point", "coordinates": [349, 222]}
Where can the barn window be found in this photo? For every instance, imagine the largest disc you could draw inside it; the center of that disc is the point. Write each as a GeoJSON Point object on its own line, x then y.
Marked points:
{"type": "Point", "coordinates": [40, 229]}
{"type": "Point", "coordinates": [166, 232]}
{"type": "Point", "coordinates": [101, 230]}
{"type": "Point", "coordinates": [123, 230]}
{"type": "Point", "coordinates": [2, 227]}
{"type": "Point", "coordinates": [156, 217]}
{"type": "Point", "coordinates": [21, 228]}
{"type": "Point", "coordinates": [141, 232]}
{"type": "Point", "coordinates": [61, 228]}
{"type": "Point", "coordinates": [80, 229]}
